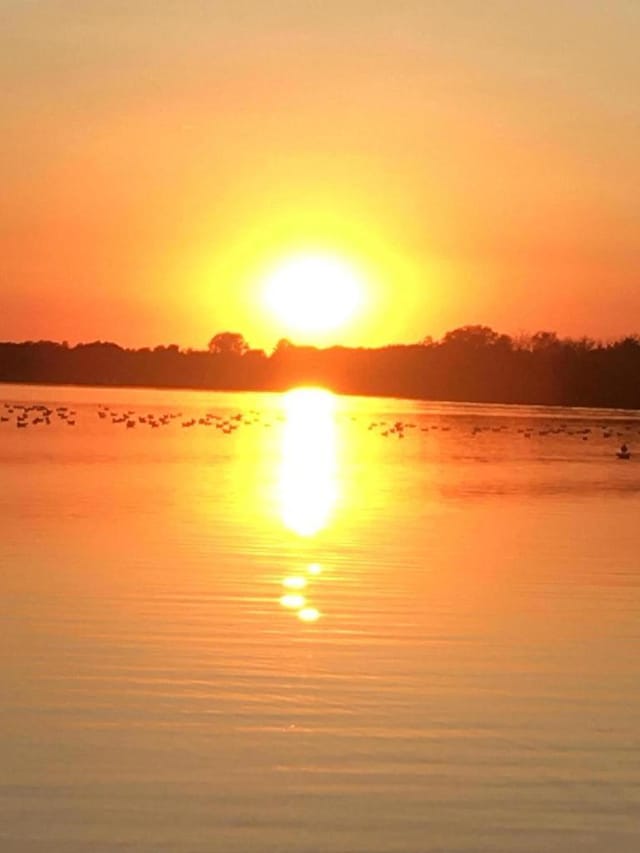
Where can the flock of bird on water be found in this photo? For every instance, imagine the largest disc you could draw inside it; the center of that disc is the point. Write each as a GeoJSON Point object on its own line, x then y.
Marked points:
{"type": "Point", "coordinates": [38, 414]}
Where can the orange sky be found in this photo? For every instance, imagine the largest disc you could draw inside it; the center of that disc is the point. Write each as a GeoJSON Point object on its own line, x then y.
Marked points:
{"type": "Point", "coordinates": [479, 162]}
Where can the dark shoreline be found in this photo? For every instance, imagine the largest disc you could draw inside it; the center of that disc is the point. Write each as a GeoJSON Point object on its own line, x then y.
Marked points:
{"type": "Point", "coordinates": [472, 364]}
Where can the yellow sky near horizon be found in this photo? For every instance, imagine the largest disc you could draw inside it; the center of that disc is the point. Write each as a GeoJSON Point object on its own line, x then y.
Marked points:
{"type": "Point", "coordinates": [477, 162]}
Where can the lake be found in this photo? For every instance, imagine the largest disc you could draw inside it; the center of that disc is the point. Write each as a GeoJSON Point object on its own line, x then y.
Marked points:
{"type": "Point", "coordinates": [310, 624]}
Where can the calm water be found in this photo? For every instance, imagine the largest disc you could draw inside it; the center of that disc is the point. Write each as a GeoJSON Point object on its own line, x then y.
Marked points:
{"type": "Point", "coordinates": [288, 631]}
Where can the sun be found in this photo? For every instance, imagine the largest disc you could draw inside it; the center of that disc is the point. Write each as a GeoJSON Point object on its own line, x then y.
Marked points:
{"type": "Point", "coordinates": [313, 293]}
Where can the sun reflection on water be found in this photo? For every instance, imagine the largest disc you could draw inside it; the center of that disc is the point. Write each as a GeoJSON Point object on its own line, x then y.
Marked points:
{"type": "Point", "coordinates": [293, 601]}
{"type": "Point", "coordinates": [308, 484]}
{"type": "Point", "coordinates": [308, 475]}
{"type": "Point", "coordinates": [294, 582]}
{"type": "Point", "coordinates": [308, 614]}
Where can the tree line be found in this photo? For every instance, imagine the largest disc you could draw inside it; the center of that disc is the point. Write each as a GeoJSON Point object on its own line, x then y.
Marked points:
{"type": "Point", "coordinates": [471, 363]}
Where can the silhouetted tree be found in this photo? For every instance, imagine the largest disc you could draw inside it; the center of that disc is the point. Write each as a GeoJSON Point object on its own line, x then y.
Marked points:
{"type": "Point", "coordinates": [544, 341]}
{"type": "Point", "coordinates": [471, 338]}
{"type": "Point", "coordinates": [228, 343]}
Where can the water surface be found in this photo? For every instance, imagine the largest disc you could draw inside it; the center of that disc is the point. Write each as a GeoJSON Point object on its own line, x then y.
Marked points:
{"type": "Point", "coordinates": [307, 623]}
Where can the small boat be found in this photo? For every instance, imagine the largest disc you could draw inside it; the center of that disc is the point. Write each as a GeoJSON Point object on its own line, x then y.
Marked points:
{"type": "Point", "coordinates": [624, 452]}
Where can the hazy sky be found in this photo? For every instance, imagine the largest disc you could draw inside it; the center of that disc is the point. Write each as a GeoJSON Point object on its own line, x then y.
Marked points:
{"type": "Point", "coordinates": [479, 160]}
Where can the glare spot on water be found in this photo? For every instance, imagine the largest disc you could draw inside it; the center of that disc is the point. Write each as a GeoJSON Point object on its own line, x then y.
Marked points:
{"type": "Point", "coordinates": [309, 614]}
{"type": "Point", "coordinates": [294, 582]}
{"type": "Point", "coordinates": [315, 569]}
{"type": "Point", "coordinates": [293, 600]}
{"type": "Point", "coordinates": [308, 484]}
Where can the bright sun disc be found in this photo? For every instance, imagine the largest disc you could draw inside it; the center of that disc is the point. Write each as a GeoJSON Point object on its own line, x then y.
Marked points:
{"type": "Point", "coordinates": [313, 293]}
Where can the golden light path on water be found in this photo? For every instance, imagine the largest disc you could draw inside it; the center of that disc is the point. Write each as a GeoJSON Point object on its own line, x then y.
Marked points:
{"type": "Point", "coordinates": [308, 482]}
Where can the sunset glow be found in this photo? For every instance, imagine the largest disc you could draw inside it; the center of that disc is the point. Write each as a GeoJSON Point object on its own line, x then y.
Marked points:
{"type": "Point", "coordinates": [316, 172]}
{"type": "Point", "coordinates": [320, 426]}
